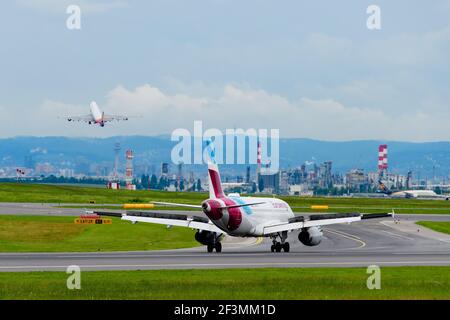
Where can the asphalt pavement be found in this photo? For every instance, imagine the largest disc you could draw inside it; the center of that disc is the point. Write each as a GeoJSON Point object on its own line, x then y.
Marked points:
{"type": "Point", "coordinates": [382, 242]}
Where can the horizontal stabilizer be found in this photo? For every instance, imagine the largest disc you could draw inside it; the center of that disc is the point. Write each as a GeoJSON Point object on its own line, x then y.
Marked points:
{"type": "Point", "coordinates": [241, 205]}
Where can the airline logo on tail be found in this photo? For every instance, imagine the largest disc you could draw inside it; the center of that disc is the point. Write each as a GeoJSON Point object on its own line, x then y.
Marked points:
{"type": "Point", "coordinates": [215, 187]}
{"type": "Point", "coordinates": [383, 188]}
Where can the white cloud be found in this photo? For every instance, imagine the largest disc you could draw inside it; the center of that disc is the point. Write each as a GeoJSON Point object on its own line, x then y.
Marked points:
{"type": "Point", "coordinates": [235, 107]}
{"type": "Point", "coordinates": [244, 107]}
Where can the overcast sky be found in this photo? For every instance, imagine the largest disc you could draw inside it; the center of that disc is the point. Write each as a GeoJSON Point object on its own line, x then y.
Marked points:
{"type": "Point", "coordinates": [309, 68]}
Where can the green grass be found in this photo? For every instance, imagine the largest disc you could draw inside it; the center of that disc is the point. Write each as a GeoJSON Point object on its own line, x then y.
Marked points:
{"type": "Point", "coordinates": [61, 234]}
{"type": "Point", "coordinates": [370, 205]}
{"type": "Point", "coordinates": [45, 193]}
{"type": "Point", "coordinates": [268, 284]}
{"type": "Point", "coordinates": [441, 226]}
{"type": "Point", "coordinates": [62, 194]}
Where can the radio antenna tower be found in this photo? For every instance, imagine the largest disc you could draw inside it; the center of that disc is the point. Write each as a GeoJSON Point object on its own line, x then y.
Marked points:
{"type": "Point", "coordinates": [116, 161]}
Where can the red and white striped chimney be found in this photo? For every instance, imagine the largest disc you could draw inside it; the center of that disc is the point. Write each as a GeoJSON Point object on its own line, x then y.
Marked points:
{"type": "Point", "coordinates": [258, 160]}
{"type": "Point", "coordinates": [382, 157]}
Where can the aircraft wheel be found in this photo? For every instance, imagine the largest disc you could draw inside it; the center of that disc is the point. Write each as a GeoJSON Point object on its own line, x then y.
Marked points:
{"type": "Point", "coordinates": [210, 248]}
{"type": "Point", "coordinates": [278, 247]}
{"type": "Point", "coordinates": [218, 247]}
{"type": "Point", "coordinates": [286, 247]}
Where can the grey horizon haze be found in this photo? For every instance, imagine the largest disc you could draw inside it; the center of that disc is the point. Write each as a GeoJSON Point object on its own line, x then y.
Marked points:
{"type": "Point", "coordinates": [424, 159]}
{"type": "Point", "coordinates": [309, 68]}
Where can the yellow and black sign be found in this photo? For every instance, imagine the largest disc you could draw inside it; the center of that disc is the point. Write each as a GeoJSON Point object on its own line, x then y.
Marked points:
{"type": "Point", "coordinates": [93, 221]}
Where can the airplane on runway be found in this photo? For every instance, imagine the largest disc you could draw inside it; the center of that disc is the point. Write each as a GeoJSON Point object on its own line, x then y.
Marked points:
{"type": "Point", "coordinates": [244, 217]}
{"type": "Point", "coordinates": [417, 194]}
{"type": "Point", "coordinates": [97, 116]}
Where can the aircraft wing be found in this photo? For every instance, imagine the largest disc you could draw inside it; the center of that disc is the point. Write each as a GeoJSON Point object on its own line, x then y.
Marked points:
{"type": "Point", "coordinates": [85, 118]}
{"type": "Point", "coordinates": [108, 117]}
{"type": "Point", "coordinates": [299, 222]}
{"type": "Point", "coordinates": [173, 204]}
{"type": "Point", "coordinates": [179, 220]}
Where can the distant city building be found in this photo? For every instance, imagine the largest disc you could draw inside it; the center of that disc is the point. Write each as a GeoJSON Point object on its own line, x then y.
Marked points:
{"type": "Point", "coordinates": [66, 173]}
{"type": "Point", "coordinates": [164, 169]}
{"type": "Point", "coordinates": [395, 181]}
{"type": "Point", "coordinates": [44, 169]}
{"type": "Point", "coordinates": [300, 190]}
{"type": "Point", "coordinates": [113, 185]}
{"type": "Point", "coordinates": [284, 182]}
{"type": "Point", "coordinates": [373, 178]}
{"type": "Point", "coordinates": [409, 180]}
{"type": "Point", "coordinates": [269, 183]}
{"type": "Point", "coordinates": [247, 175]}
{"type": "Point", "coordinates": [356, 178]}
{"type": "Point", "coordinates": [325, 177]}
{"type": "Point", "coordinates": [29, 162]}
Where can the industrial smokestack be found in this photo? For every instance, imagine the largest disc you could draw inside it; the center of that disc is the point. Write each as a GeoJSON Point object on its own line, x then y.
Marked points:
{"type": "Point", "coordinates": [382, 158]}
{"type": "Point", "coordinates": [129, 171]}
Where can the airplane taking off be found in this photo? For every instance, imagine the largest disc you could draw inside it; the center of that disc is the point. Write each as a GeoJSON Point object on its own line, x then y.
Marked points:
{"type": "Point", "coordinates": [97, 116]}
{"type": "Point", "coordinates": [244, 217]}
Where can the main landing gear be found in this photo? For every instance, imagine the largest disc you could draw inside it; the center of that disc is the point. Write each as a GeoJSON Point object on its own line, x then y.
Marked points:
{"type": "Point", "coordinates": [211, 246]}
{"type": "Point", "coordinates": [277, 246]}
{"type": "Point", "coordinates": [210, 239]}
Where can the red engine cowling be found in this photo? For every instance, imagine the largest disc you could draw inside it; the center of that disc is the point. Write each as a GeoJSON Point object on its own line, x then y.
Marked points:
{"type": "Point", "coordinates": [212, 209]}
{"type": "Point", "coordinates": [229, 219]}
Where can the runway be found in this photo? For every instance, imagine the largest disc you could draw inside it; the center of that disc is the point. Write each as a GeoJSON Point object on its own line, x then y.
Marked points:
{"type": "Point", "coordinates": [376, 242]}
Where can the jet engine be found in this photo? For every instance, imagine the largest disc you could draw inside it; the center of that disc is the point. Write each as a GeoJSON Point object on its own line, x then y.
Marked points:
{"type": "Point", "coordinates": [212, 209]}
{"type": "Point", "coordinates": [311, 236]}
{"type": "Point", "coordinates": [204, 237]}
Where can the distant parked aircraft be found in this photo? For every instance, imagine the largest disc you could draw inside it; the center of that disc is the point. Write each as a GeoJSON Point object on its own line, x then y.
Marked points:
{"type": "Point", "coordinates": [97, 116]}
{"type": "Point", "coordinates": [422, 194]}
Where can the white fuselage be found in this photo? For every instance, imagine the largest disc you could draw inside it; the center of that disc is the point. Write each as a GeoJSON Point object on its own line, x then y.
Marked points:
{"type": "Point", "coordinates": [415, 194]}
{"type": "Point", "coordinates": [253, 218]}
{"type": "Point", "coordinates": [97, 115]}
